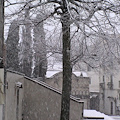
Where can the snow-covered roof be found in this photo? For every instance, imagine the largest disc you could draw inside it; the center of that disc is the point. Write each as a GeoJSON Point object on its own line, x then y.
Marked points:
{"type": "Point", "coordinates": [49, 74]}
{"type": "Point", "coordinates": [80, 73]}
{"type": "Point", "coordinates": [96, 114]}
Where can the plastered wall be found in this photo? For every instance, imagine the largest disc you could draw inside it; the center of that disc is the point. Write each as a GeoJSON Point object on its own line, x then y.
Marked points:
{"type": "Point", "coordinates": [35, 100]}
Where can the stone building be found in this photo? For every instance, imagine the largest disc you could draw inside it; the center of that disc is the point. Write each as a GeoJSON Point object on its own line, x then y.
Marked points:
{"type": "Point", "coordinates": [105, 90]}
{"type": "Point", "coordinates": [80, 85]}
{"type": "Point", "coordinates": [110, 93]}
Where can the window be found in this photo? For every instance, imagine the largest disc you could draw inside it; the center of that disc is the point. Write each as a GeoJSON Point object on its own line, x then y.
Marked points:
{"type": "Point", "coordinates": [119, 84]}
{"type": "Point", "coordinates": [76, 92]}
{"type": "Point", "coordinates": [119, 96]}
{"type": "Point", "coordinates": [111, 108]}
{"type": "Point", "coordinates": [111, 82]}
{"type": "Point", "coordinates": [111, 79]}
{"type": "Point", "coordinates": [103, 78]}
{"type": "Point", "coordinates": [88, 68]}
{"type": "Point", "coordinates": [87, 93]}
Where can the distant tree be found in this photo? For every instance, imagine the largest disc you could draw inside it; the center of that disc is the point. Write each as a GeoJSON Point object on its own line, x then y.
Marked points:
{"type": "Point", "coordinates": [12, 50]}
{"type": "Point", "coordinates": [84, 15]}
{"type": "Point", "coordinates": [39, 47]}
{"type": "Point", "coordinates": [26, 47]}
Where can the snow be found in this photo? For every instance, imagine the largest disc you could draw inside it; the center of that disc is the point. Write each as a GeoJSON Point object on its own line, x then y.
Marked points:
{"type": "Point", "coordinates": [20, 34]}
{"type": "Point", "coordinates": [79, 73]}
{"type": "Point", "coordinates": [55, 66]}
{"type": "Point", "coordinates": [56, 69]}
{"type": "Point", "coordinates": [19, 84]}
{"type": "Point", "coordinates": [106, 117]}
{"type": "Point", "coordinates": [96, 114]}
{"type": "Point", "coordinates": [116, 117]}
{"type": "Point", "coordinates": [51, 73]}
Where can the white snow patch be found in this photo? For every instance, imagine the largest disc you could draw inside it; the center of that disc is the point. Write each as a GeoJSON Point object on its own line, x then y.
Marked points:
{"type": "Point", "coordinates": [49, 74]}
{"type": "Point", "coordinates": [96, 114]}
{"type": "Point", "coordinates": [21, 27]}
{"type": "Point", "coordinates": [116, 117]}
{"type": "Point", "coordinates": [79, 73]}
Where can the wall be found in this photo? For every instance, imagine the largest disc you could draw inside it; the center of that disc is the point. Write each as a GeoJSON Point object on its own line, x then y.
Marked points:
{"type": "Point", "coordinates": [94, 77]}
{"type": "Point", "coordinates": [109, 94]}
{"type": "Point", "coordinates": [1, 92]}
{"type": "Point", "coordinates": [11, 97]}
{"type": "Point", "coordinates": [80, 86]}
{"type": "Point", "coordinates": [37, 101]}
{"type": "Point", "coordinates": [1, 112]}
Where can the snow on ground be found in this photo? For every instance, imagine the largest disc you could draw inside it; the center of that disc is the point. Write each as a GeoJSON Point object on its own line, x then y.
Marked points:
{"type": "Point", "coordinates": [96, 114]}
{"type": "Point", "coordinates": [115, 117]}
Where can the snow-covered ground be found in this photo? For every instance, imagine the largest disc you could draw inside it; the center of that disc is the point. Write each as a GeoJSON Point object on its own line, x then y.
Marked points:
{"type": "Point", "coordinates": [116, 117]}
{"type": "Point", "coordinates": [88, 114]}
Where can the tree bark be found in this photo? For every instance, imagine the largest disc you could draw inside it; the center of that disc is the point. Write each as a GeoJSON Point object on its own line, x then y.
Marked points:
{"type": "Point", "coordinates": [67, 69]}
{"type": "Point", "coordinates": [1, 27]}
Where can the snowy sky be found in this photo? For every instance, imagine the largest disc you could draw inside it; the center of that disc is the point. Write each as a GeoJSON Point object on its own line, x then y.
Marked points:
{"type": "Point", "coordinates": [48, 27]}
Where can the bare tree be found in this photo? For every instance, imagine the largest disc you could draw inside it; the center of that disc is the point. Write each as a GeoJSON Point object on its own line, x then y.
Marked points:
{"type": "Point", "coordinates": [26, 47]}
{"type": "Point", "coordinates": [84, 15]}
{"type": "Point", "coordinates": [39, 47]}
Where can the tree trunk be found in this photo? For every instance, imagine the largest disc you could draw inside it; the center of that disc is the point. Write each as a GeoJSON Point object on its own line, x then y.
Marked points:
{"type": "Point", "coordinates": [1, 28]}
{"type": "Point", "coordinates": [67, 70]}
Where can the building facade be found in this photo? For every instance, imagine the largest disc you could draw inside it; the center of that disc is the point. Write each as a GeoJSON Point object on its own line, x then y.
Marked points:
{"type": "Point", "coordinates": [80, 85]}
{"type": "Point", "coordinates": [110, 94]}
